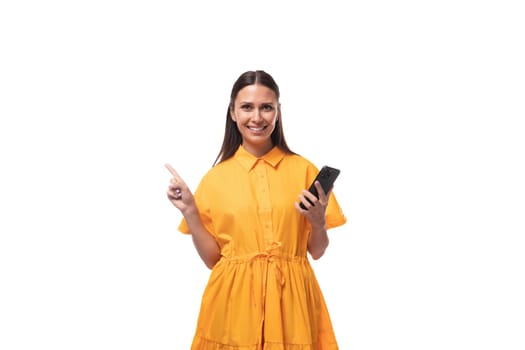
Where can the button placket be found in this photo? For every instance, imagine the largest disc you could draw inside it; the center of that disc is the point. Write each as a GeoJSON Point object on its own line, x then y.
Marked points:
{"type": "Point", "coordinates": [265, 208]}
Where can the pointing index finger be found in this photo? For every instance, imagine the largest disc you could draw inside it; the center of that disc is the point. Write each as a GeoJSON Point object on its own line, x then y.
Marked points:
{"type": "Point", "coordinates": [172, 171]}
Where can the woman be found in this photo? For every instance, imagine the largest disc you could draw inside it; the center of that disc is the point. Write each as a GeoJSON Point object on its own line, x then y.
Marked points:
{"type": "Point", "coordinates": [248, 227]}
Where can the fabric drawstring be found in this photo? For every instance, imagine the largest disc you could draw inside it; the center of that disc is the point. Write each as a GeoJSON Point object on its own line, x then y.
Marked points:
{"type": "Point", "coordinates": [269, 254]}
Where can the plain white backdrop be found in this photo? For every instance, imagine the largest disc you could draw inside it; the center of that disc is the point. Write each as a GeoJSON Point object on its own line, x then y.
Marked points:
{"type": "Point", "coordinates": [419, 103]}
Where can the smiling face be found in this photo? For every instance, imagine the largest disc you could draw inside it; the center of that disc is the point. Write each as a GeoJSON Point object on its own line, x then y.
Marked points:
{"type": "Point", "coordinates": [255, 111]}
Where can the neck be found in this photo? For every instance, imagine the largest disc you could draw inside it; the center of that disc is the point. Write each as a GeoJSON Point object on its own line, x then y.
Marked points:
{"type": "Point", "coordinates": [258, 150]}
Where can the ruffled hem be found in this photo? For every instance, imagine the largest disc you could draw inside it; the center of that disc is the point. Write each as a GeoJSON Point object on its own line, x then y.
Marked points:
{"type": "Point", "coordinates": [204, 344]}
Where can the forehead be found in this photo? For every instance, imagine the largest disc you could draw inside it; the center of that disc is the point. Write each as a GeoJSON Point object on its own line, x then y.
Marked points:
{"type": "Point", "coordinates": [256, 93]}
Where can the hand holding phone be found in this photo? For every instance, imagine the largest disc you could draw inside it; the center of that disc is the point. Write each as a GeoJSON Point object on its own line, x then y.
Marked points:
{"type": "Point", "coordinates": [326, 177]}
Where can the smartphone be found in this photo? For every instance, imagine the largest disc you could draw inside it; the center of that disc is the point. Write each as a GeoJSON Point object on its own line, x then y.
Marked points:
{"type": "Point", "coordinates": [326, 178]}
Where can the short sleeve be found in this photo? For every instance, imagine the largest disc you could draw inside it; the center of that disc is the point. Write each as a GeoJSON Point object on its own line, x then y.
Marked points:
{"type": "Point", "coordinates": [334, 214]}
{"type": "Point", "coordinates": [202, 200]}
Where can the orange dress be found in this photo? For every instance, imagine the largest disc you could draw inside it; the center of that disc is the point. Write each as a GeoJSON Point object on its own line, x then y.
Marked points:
{"type": "Point", "coordinates": [262, 294]}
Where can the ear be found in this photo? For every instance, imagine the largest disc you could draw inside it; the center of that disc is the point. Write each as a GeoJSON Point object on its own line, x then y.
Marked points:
{"type": "Point", "coordinates": [232, 115]}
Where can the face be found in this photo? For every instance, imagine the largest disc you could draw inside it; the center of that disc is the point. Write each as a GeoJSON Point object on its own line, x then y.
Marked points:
{"type": "Point", "coordinates": [255, 112]}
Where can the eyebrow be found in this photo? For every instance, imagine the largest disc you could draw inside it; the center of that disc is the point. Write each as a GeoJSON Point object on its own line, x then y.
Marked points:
{"type": "Point", "coordinates": [263, 103]}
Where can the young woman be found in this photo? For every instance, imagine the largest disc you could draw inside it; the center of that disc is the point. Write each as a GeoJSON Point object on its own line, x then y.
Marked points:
{"type": "Point", "coordinates": [249, 229]}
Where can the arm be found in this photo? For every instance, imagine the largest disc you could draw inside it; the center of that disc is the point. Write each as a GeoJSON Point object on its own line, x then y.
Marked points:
{"type": "Point", "coordinates": [315, 213]}
{"type": "Point", "coordinates": [318, 241]}
{"type": "Point", "coordinates": [181, 197]}
{"type": "Point", "coordinates": [203, 241]}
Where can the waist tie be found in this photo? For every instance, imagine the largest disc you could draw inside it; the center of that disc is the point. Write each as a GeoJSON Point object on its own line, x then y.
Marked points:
{"type": "Point", "coordinates": [270, 256]}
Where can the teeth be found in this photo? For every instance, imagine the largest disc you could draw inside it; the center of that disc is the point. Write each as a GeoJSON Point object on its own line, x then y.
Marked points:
{"type": "Point", "coordinates": [255, 129]}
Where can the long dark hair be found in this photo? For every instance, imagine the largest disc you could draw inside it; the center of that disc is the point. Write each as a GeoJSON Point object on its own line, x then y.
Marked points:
{"type": "Point", "coordinates": [232, 136]}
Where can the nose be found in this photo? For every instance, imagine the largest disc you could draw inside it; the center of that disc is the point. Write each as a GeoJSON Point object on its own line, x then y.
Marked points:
{"type": "Point", "coordinates": [256, 114]}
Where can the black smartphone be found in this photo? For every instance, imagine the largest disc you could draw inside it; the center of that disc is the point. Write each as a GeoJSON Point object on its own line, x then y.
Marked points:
{"type": "Point", "coordinates": [326, 178]}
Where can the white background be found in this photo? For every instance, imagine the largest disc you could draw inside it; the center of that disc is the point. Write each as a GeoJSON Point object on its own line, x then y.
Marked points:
{"type": "Point", "coordinates": [419, 103]}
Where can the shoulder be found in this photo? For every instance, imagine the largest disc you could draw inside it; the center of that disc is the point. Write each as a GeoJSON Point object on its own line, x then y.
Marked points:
{"type": "Point", "coordinates": [299, 162]}
{"type": "Point", "coordinates": [220, 171]}
{"type": "Point", "coordinates": [298, 167]}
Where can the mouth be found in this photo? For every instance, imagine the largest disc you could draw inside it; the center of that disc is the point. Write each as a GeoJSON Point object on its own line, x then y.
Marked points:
{"type": "Point", "coordinates": [257, 129]}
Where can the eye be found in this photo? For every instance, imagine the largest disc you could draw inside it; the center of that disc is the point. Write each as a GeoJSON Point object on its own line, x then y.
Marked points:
{"type": "Point", "coordinates": [246, 107]}
{"type": "Point", "coordinates": [267, 108]}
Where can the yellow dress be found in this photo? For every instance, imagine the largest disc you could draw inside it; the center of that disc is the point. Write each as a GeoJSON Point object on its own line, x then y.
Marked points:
{"type": "Point", "coordinates": [262, 294]}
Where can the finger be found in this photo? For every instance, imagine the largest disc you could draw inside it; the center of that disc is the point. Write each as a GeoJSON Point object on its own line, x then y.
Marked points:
{"type": "Point", "coordinates": [299, 207]}
{"type": "Point", "coordinates": [174, 193]}
{"type": "Point", "coordinates": [307, 199]}
{"type": "Point", "coordinates": [174, 197]}
{"type": "Point", "coordinates": [323, 196]}
{"type": "Point", "coordinates": [310, 196]}
{"type": "Point", "coordinates": [320, 190]}
{"type": "Point", "coordinates": [175, 187]}
{"type": "Point", "coordinates": [302, 206]}
{"type": "Point", "coordinates": [172, 171]}
{"type": "Point", "coordinates": [178, 193]}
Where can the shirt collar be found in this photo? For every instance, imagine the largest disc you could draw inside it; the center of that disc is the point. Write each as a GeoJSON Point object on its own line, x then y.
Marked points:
{"type": "Point", "coordinates": [248, 160]}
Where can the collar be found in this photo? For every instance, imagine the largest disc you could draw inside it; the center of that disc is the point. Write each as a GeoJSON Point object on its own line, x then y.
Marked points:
{"type": "Point", "coordinates": [248, 160]}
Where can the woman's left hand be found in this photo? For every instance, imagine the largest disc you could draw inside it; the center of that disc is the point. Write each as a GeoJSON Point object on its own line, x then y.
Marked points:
{"type": "Point", "coordinates": [315, 207]}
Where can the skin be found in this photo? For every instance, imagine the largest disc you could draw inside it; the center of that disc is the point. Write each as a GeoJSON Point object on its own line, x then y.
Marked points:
{"type": "Point", "coordinates": [182, 198]}
{"type": "Point", "coordinates": [255, 111]}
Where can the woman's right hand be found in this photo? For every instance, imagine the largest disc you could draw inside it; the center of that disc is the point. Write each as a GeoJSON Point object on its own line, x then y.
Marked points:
{"type": "Point", "coordinates": [179, 194]}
